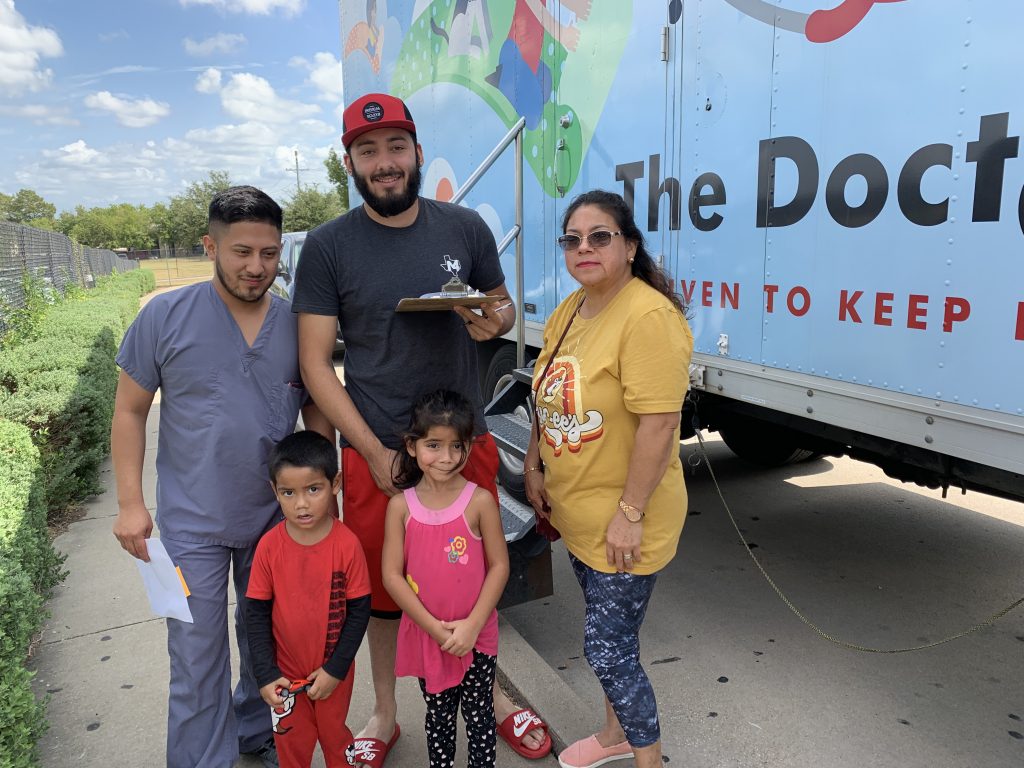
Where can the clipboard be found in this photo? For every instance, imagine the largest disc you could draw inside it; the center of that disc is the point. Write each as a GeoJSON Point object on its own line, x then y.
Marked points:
{"type": "Point", "coordinates": [435, 302]}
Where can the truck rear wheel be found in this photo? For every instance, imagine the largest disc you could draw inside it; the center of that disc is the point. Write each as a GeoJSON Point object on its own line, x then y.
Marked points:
{"type": "Point", "coordinates": [764, 444]}
{"type": "Point", "coordinates": [499, 374]}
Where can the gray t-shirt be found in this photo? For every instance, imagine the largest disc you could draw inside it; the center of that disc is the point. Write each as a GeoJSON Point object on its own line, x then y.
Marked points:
{"type": "Point", "coordinates": [357, 270]}
{"type": "Point", "coordinates": [223, 406]}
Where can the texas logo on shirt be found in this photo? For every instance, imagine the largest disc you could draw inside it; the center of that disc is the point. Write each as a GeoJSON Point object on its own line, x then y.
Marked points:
{"type": "Point", "coordinates": [571, 425]}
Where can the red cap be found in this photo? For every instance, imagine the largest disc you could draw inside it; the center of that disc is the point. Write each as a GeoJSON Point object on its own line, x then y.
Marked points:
{"type": "Point", "coordinates": [373, 111]}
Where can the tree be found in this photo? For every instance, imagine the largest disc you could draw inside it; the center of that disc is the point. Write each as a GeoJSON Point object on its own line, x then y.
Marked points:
{"type": "Point", "coordinates": [338, 176]}
{"type": "Point", "coordinates": [187, 213]}
{"type": "Point", "coordinates": [27, 207]}
{"type": "Point", "coordinates": [160, 225]}
{"type": "Point", "coordinates": [116, 226]}
{"type": "Point", "coordinates": [310, 208]}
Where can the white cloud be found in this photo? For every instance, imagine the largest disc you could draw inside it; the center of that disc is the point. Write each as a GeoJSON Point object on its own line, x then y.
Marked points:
{"type": "Point", "coordinates": [101, 176]}
{"type": "Point", "coordinates": [249, 97]}
{"type": "Point", "coordinates": [324, 75]}
{"type": "Point", "coordinates": [208, 81]}
{"type": "Point", "coordinates": [21, 47]}
{"type": "Point", "coordinates": [257, 7]}
{"type": "Point", "coordinates": [219, 43]}
{"type": "Point", "coordinates": [40, 114]}
{"type": "Point", "coordinates": [256, 147]}
{"type": "Point", "coordinates": [132, 113]}
{"type": "Point", "coordinates": [76, 153]}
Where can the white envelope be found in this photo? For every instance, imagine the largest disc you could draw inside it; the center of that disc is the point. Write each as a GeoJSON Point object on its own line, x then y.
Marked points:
{"type": "Point", "coordinates": [163, 586]}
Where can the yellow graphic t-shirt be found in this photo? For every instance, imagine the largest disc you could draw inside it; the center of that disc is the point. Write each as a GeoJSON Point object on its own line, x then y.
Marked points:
{"type": "Point", "coordinates": [631, 359]}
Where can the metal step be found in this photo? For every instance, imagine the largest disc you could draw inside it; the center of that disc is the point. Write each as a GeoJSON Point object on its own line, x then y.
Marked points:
{"type": "Point", "coordinates": [517, 518]}
{"type": "Point", "coordinates": [510, 432]}
{"type": "Point", "coordinates": [524, 375]}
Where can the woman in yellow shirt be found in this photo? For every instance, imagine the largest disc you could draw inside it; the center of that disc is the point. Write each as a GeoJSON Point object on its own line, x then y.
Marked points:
{"type": "Point", "coordinates": [603, 463]}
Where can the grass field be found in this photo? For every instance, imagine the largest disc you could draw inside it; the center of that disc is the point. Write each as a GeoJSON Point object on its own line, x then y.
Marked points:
{"type": "Point", "coordinates": [178, 271]}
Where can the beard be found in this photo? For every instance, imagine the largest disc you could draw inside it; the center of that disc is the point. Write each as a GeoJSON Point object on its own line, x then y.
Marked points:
{"type": "Point", "coordinates": [236, 289]}
{"type": "Point", "coordinates": [391, 204]}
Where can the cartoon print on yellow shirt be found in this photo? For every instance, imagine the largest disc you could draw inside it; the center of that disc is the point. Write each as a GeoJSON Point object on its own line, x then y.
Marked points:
{"type": "Point", "coordinates": [572, 426]}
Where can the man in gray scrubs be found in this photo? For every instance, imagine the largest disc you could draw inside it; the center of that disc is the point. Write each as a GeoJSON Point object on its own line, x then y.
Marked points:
{"type": "Point", "coordinates": [224, 356]}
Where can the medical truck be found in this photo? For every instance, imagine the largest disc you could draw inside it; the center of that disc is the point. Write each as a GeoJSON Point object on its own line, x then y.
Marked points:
{"type": "Point", "coordinates": [835, 187]}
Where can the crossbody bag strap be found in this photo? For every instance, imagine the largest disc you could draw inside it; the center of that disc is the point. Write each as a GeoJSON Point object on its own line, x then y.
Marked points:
{"type": "Point", "coordinates": [547, 367]}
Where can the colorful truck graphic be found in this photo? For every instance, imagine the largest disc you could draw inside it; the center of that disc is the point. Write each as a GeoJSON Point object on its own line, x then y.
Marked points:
{"type": "Point", "coordinates": [835, 185]}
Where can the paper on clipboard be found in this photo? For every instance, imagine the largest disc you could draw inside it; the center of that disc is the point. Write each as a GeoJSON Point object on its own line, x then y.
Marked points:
{"type": "Point", "coordinates": [435, 302]}
{"type": "Point", "coordinates": [164, 584]}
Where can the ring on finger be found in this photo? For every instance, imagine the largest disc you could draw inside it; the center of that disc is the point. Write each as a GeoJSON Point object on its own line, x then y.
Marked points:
{"type": "Point", "coordinates": [627, 556]}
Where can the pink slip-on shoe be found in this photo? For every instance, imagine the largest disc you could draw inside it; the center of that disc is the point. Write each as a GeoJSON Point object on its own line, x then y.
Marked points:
{"type": "Point", "coordinates": [588, 753]}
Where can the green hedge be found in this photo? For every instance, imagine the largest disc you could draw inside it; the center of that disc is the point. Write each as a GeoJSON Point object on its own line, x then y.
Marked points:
{"type": "Point", "coordinates": [56, 404]}
{"type": "Point", "coordinates": [61, 384]}
{"type": "Point", "coordinates": [28, 569]}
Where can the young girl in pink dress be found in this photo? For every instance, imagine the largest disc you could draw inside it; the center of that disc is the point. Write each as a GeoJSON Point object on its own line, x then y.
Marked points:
{"type": "Point", "coordinates": [445, 564]}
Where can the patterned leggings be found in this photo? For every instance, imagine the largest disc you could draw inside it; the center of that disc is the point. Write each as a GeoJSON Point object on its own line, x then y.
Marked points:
{"type": "Point", "coordinates": [616, 604]}
{"type": "Point", "coordinates": [477, 697]}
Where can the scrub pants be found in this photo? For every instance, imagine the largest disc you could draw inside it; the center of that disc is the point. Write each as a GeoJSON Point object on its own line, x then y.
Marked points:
{"type": "Point", "coordinates": [207, 727]}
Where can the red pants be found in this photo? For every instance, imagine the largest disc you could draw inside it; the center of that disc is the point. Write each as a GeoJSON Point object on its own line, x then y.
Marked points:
{"type": "Point", "coordinates": [364, 507]}
{"type": "Point", "coordinates": [301, 723]}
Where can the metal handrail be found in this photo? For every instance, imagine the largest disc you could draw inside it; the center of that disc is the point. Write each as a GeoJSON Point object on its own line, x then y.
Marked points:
{"type": "Point", "coordinates": [516, 233]}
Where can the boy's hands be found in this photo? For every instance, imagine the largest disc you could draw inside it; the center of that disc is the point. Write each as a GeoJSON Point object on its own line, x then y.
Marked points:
{"type": "Point", "coordinates": [462, 639]}
{"type": "Point", "coordinates": [269, 691]}
{"type": "Point", "coordinates": [323, 685]}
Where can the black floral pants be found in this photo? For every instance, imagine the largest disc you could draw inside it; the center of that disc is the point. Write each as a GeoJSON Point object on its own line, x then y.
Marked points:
{"type": "Point", "coordinates": [476, 695]}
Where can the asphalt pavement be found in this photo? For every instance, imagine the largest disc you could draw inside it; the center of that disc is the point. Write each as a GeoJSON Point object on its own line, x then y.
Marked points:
{"type": "Point", "coordinates": [741, 681]}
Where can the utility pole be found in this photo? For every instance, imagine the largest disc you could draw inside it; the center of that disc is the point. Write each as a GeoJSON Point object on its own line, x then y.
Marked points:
{"type": "Point", "coordinates": [298, 185]}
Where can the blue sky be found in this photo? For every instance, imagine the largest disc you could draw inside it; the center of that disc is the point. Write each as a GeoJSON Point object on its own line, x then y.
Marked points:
{"type": "Point", "coordinates": [106, 101]}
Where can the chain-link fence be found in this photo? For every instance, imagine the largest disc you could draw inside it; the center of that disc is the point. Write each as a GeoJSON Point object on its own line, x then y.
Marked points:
{"type": "Point", "coordinates": [51, 257]}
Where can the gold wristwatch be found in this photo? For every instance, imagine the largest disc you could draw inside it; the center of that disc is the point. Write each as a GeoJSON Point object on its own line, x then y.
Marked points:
{"type": "Point", "coordinates": [633, 514]}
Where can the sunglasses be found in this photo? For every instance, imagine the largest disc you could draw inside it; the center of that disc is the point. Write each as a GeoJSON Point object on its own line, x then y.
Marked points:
{"type": "Point", "coordinates": [598, 239]}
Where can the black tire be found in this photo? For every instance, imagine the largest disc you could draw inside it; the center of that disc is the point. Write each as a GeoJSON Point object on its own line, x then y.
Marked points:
{"type": "Point", "coordinates": [764, 444]}
{"type": "Point", "coordinates": [499, 374]}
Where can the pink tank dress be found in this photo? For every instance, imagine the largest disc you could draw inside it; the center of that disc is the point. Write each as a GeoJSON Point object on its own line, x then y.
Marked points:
{"type": "Point", "coordinates": [445, 565]}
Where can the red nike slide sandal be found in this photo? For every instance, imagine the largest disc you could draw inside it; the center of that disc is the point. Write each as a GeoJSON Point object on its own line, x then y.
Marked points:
{"type": "Point", "coordinates": [372, 752]}
{"type": "Point", "coordinates": [517, 725]}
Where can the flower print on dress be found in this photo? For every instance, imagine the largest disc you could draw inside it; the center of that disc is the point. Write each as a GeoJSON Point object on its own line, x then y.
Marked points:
{"type": "Point", "coordinates": [456, 550]}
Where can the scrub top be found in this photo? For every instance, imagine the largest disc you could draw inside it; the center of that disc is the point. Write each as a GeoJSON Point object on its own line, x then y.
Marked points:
{"type": "Point", "coordinates": [223, 406]}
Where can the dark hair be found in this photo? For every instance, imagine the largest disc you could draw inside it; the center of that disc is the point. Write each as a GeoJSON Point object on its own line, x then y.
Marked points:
{"type": "Point", "coordinates": [245, 204]}
{"type": "Point", "coordinates": [307, 449]}
{"type": "Point", "coordinates": [441, 408]}
{"type": "Point", "coordinates": [643, 266]}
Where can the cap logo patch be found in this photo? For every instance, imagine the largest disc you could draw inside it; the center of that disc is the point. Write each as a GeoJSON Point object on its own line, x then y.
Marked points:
{"type": "Point", "coordinates": [372, 112]}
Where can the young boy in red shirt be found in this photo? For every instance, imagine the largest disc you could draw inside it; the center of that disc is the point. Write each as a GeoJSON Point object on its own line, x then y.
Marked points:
{"type": "Point", "coordinates": [308, 605]}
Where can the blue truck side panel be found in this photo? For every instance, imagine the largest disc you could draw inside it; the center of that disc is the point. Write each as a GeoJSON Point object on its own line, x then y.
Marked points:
{"type": "Point", "coordinates": [838, 196]}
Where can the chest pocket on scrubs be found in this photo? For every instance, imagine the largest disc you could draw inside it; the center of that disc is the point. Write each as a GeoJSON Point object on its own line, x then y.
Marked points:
{"type": "Point", "coordinates": [192, 394]}
{"type": "Point", "coordinates": [285, 401]}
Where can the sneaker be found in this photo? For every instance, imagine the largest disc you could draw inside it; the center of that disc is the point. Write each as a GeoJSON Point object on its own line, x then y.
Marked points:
{"type": "Point", "coordinates": [266, 753]}
{"type": "Point", "coordinates": [588, 753]}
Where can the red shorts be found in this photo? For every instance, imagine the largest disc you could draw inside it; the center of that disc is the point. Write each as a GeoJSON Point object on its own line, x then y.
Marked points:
{"type": "Point", "coordinates": [364, 507]}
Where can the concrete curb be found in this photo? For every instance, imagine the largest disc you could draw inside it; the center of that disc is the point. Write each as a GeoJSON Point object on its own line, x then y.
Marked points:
{"type": "Point", "coordinates": [527, 678]}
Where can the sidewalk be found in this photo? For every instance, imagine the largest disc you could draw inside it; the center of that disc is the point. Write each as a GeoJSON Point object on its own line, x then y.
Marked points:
{"type": "Point", "coordinates": [103, 662]}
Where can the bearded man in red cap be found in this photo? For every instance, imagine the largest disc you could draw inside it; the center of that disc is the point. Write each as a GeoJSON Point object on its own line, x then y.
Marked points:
{"type": "Point", "coordinates": [353, 271]}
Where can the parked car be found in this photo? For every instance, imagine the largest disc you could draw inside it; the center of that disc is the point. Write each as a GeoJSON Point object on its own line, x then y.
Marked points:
{"type": "Point", "coordinates": [284, 283]}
